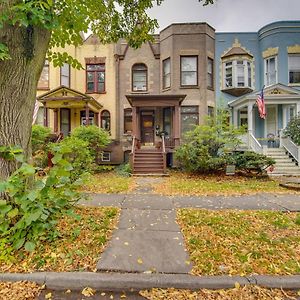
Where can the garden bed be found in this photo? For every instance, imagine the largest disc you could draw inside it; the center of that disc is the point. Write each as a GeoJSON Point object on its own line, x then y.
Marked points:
{"type": "Point", "coordinates": [241, 243]}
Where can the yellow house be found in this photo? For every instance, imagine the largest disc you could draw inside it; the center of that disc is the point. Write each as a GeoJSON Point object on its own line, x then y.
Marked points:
{"type": "Point", "coordinates": [67, 96]}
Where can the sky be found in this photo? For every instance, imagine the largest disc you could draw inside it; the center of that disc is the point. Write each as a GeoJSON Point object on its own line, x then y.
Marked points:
{"type": "Point", "coordinates": [227, 15]}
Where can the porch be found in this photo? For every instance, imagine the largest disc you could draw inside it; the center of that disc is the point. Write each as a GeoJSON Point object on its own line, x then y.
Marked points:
{"type": "Point", "coordinates": [66, 109]}
{"type": "Point", "coordinates": [155, 130]}
{"type": "Point", "coordinates": [282, 104]}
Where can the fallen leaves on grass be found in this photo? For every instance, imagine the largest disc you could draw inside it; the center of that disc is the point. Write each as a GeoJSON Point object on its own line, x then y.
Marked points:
{"type": "Point", "coordinates": [180, 183]}
{"type": "Point", "coordinates": [19, 290]}
{"type": "Point", "coordinates": [76, 245]}
{"type": "Point", "coordinates": [249, 292]}
{"type": "Point", "coordinates": [247, 242]}
{"type": "Point", "coordinates": [107, 183]}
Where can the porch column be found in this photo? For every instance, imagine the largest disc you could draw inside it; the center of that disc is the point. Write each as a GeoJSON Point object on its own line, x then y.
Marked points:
{"type": "Point", "coordinates": [87, 115]}
{"type": "Point", "coordinates": [45, 116]}
{"type": "Point", "coordinates": [297, 108]}
{"type": "Point", "coordinates": [138, 123]}
{"type": "Point", "coordinates": [134, 121]}
{"type": "Point", "coordinates": [250, 117]}
{"type": "Point", "coordinates": [235, 117]}
{"type": "Point", "coordinates": [284, 116]}
{"type": "Point", "coordinates": [56, 120]}
{"type": "Point", "coordinates": [176, 122]}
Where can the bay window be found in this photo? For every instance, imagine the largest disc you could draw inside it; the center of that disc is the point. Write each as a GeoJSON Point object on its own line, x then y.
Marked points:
{"type": "Point", "coordinates": [237, 74]}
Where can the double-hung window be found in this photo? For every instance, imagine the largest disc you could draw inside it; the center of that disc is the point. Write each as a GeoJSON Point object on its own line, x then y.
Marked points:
{"type": "Point", "coordinates": [210, 73]}
{"type": "Point", "coordinates": [139, 78]}
{"type": "Point", "coordinates": [166, 73]}
{"type": "Point", "coordinates": [294, 69]}
{"type": "Point", "coordinates": [95, 78]}
{"type": "Point", "coordinates": [189, 70]}
{"type": "Point", "coordinates": [44, 78]}
{"type": "Point", "coordinates": [65, 75]}
{"type": "Point", "coordinates": [270, 70]}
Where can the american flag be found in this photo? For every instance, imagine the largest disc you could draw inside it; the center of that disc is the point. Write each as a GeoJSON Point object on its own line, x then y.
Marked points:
{"type": "Point", "coordinates": [260, 102]}
{"type": "Point", "coordinates": [35, 112]}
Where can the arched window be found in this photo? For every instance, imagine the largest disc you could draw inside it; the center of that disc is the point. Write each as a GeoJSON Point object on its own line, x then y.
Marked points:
{"type": "Point", "coordinates": [139, 77]}
{"type": "Point", "coordinates": [105, 120]}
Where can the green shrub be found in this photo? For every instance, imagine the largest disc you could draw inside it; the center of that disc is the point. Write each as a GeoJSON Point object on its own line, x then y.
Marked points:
{"type": "Point", "coordinates": [76, 152]}
{"type": "Point", "coordinates": [124, 170]}
{"type": "Point", "coordinates": [293, 130]}
{"type": "Point", "coordinates": [39, 136]}
{"type": "Point", "coordinates": [252, 162]}
{"type": "Point", "coordinates": [204, 148]}
{"type": "Point", "coordinates": [33, 204]}
{"type": "Point", "coordinates": [97, 138]}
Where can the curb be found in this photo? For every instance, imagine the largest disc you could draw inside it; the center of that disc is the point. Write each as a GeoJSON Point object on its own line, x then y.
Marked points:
{"type": "Point", "coordinates": [116, 282]}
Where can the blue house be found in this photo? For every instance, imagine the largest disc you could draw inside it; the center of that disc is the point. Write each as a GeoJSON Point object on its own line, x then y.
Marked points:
{"type": "Point", "coordinates": [245, 63]}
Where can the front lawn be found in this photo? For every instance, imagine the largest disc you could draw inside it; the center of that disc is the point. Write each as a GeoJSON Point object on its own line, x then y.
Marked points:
{"type": "Point", "coordinates": [76, 246]}
{"type": "Point", "coordinates": [235, 242]}
{"type": "Point", "coordinates": [180, 183]}
{"type": "Point", "coordinates": [108, 183]}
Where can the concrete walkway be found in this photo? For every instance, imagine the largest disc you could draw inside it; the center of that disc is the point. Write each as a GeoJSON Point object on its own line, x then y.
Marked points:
{"type": "Point", "coordinates": [148, 238]}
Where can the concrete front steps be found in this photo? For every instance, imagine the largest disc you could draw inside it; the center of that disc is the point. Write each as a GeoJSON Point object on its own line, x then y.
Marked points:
{"type": "Point", "coordinates": [148, 162]}
{"type": "Point", "coordinates": [284, 164]}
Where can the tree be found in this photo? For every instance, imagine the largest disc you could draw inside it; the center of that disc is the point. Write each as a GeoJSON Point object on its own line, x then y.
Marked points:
{"type": "Point", "coordinates": [30, 30]}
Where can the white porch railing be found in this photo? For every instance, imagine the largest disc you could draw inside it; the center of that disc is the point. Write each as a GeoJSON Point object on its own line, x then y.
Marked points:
{"type": "Point", "coordinates": [254, 143]}
{"type": "Point", "coordinates": [290, 147]}
{"type": "Point", "coordinates": [244, 139]}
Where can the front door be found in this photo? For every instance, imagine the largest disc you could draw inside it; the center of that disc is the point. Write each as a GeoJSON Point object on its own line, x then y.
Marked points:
{"type": "Point", "coordinates": [65, 121]}
{"type": "Point", "coordinates": [271, 120]}
{"type": "Point", "coordinates": [147, 127]}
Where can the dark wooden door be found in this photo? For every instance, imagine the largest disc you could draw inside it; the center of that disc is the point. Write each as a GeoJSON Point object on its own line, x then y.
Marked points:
{"type": "Point", "coordinates": [147, 128]}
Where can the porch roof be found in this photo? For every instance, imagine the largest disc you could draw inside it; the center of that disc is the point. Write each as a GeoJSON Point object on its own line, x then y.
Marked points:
{"type": "Point", "coordinates": [149, 100]}
{"type": "Point", "coordinates": [63, 96]}
{"type": "Point", "coordinates": [274, 94]}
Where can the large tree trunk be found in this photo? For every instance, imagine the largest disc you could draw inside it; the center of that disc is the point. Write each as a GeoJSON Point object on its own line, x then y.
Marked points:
{"type": "Point", "coordinates": [18, 81]}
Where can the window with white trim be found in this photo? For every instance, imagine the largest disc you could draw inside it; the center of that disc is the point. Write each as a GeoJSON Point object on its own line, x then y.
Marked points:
{"type": "Point", "coordinates": [237, 74]}
{"type": "Point", "coordinates": [166, 73]}
{"type": "Point", "coordinates": [105, 156]}
{"type": "Point", "coordinates": [270, 70]}
{"type": "Point", "coordinates": [189, 70]}
{"type": "Point", "coordinates": [65, 75]}
{"type": "Point", "coordinates": [294, 69]}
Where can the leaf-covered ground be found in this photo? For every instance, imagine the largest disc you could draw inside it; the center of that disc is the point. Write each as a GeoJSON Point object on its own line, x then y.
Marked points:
{"type": "Point", "coordinates": [20, 290]}
{"type": "Point", "coordinates": [238, 293]}
{"type": "Point", "coordinates": [180, 183]}
{"type": "Point", "coordinates": [235, 242]}
{"type": "Point", "coordinates": [76, 246]}
{"type": "Point", "coordinates": [109, 182]}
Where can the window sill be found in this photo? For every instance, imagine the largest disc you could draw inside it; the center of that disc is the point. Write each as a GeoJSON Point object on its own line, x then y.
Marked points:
{"type": "Point", "coordinates": [43, 88]}
{"type": "Point", "coordinates": [166, 89]}
{"type": "Point", "coordinates": [210, 88]}
{"type": "Point", "coordinates": [139, 92]}
{"type": "Point", "coordinates": [189, 87]}
{"type": "Point", "coordinates": [294, 84]}
{"type": "Point", "coordinates": [97, 93]}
